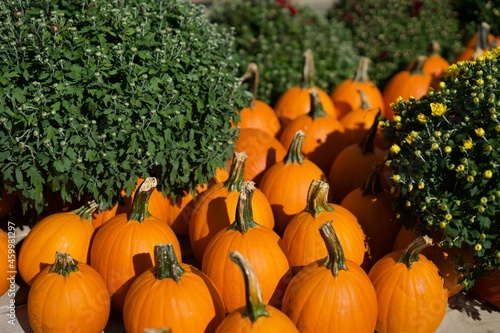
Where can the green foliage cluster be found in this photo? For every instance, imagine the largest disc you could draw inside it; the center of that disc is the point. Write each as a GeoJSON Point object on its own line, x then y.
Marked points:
{"type": "Point", "coordinates": [275, 38]}
{"type": "Point", "coordinates": [392, 33]}
{"type": "Point", "coordinates": [445, 162]}
{"type": "Point", "coordinates": [94, 93]}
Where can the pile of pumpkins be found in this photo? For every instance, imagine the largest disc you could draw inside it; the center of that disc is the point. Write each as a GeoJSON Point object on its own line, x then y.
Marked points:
{"type": "Point", "coordinates": [297, 235]}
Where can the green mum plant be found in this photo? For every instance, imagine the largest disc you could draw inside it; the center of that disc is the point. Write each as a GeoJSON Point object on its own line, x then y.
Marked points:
{"type": "Point", "coordinates": [392, 33]}
{"type": "Point", "coordinates": [275, 37]}
{"type": "Point", "coordinates": [94, 93]}
{"type": "Point", "coordinates": [445, 161]}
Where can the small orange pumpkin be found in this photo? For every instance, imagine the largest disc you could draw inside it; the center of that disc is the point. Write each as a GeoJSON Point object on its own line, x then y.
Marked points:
{"type": "Point", "coordinates": [435, 64]}
{"type": "Point", "coordinates": [68, 232]}
{"type": "Point", "coordinates": [255, 316]}
{"type": "Point", "coordinates": [285, 184]}
{"type": "Point", "coordinates": [155, 297]}
{"type": "Point", "coordinates": [332, 294]}
{"type": "Point", "coordinates": [411, 295]}
{"type": "Point", "coordinates": [259, 244]}
{"type": "Point", "coordinates": [68, 296]}
{"type": "Point", "coordinates": [296, 101]}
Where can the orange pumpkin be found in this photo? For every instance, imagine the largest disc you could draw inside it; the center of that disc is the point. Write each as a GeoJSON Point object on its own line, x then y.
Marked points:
{"type": "Point", "coordinates": [332, 294]}
{"type": "Point", "coordinates": [411, 295]}
{"type": "Point", "coordinates": [346, 95]}
{"type": "Point", "coordinates": [487, 288]}
{"type": "Point", "coordinates": [435, 64]}
{"type": "Point", "coordinates": [214, 209]}
{"type": "Point", "coordinates": [285, 184]}
{"type": "Point", "coordinates": [68, 296]}
{"type": "Point", "coordinates": [296, 101]}
{"type": "Point", "coordinates": [324, 134]}
{"type": "Point", "coordinates": [258, 114]}
{"type": "Point", "coordinates": [412, 82]}
{"type": "Point", "coordinates": [373, 208]}
{"type": "Point", "coordinates": [8, 262]}
{"type": "Point", "coordinates": [255, 316]}
{"type": "Point", "coordinates": [262, 150]}
{"type": "Point", "coordinates": [155, 297]}
{"type": "Point", "coordinates": [303, 240]}
{"type": "Point", "coordinates": [123, 247]}
{"type": "Point", "coordinates": [349, 168]}
{"type": "Point", "coordinates": [263, 248]}
{"type": "Point", "coordinates": [68, 232]}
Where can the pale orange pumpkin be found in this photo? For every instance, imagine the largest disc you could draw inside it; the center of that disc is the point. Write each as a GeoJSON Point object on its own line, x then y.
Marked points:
{"type": "Point", "coordinates": [296, 101]}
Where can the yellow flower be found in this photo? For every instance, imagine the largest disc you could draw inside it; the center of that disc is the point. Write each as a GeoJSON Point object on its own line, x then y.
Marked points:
{"type": "Point", "coordinates": [397, 119]}
{"type": "Point", "coordinates": [409, 139]}
{"type": "Point", "coordinates": [478, 247]}
{"type": "Point", "coordinates": [488, 174]}
{"type": "Point", "coordinates": [400, 99]}
{"type": "Point", "coordinates": [421, 184]}
{"type": "Point", "coordinates": [395, 149]}
{"type": "Point", "coordinates": [468, 144]}
{"type": "Point", "coordinates": [414, 134]}
{"type": "Point", "coordinates": [480, 132]}
{"type": "Point", "coordinates": [452, 72]}
{"type": "Point", "coordinates": [447, 149]}
{"type": "Point", "coordinates": [422, 118]}
{"type": "Point", "coordinates": [438, 109]}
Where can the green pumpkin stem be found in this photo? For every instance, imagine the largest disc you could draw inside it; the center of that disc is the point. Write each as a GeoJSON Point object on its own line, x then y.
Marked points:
{"type": "Point", "coordinates": [236, 172]}
{"type": "Point", "coordinates": [166, 263]}
{"type": "Point", "coordinates": [411, 252]}
{"type": "Point", "coordinates": [294, 153]}
{"type": "Point", "coordinates": [140, 210]}
{"type": "Point", "coordinates": [85, 212]}
{"type": "Point", "coordinates": [317, 198]}
{"type": "Point", "coordinates": [371, 184]}
{"type": "Point", "coordinates": [252, 72]}
{"type": "Point", "coordinates": [255, 306]}
{"type": "Point", "coordinates": [335, 261]}
{"type": "Point", "coordinates": [362, 70]}
{"type": "Point", "coordinates": [418, 65]}
{"type": "Point", "coordinates": [307, 70]}
{"type": "Point", "coordinates": [317, 110]}
{"type": "Point", "coordinates": [244, 211]}
{"type": "Point", "coordinates": [64, 264]}
{"type": "Point", "coordinates": [367, 144]}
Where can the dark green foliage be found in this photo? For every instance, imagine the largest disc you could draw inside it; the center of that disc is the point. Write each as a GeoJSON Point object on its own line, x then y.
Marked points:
{"type": "Point", "coordinates": [393, 32]}
{"type": "Point", "coordinates": [275, 39]}
{"type": "Point", "coordinates": [94, 93]}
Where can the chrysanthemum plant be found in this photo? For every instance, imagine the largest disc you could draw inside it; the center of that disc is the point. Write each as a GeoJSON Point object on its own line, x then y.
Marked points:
{"type": "Point", "coordinates": [445, 163]}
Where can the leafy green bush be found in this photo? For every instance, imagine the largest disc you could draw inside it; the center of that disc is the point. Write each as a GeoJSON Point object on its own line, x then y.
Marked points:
{"type": "Point", "coordinates": [445, 162]}
{"type": "Point", "coordinates": [94, 93]}
{"type": "Point", "coordinates": [275, 38]}
{"type": "Point", "coordinates": [392, 33]}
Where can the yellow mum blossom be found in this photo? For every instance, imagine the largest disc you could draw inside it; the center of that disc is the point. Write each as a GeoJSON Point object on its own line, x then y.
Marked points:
{"type": "Point", "coordinates": [480, 132]}
{"type": "Point", "coordinates": [409, 139]}
{"type": "Point", "coordinates": [468, 144]}
{"type": "Point", "coordinates": [488, 174]}
{"type": "Point", "coordinates": [400, 99]}
{"type": "Point", "coordinates": [395, 149]}
{"type": "Point", "coordinates": [414, 134]}
{"type": "Point", "coordinates": [452, 72]}
{"type": "Point", "coordinates": [438, 109]}
{"type": "Point", "coordinates": [422, 118]}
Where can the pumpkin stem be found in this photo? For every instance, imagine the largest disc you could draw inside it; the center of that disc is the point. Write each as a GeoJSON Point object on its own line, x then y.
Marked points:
{"type": "Point", "coordinates": [85, 212]}
{"type": "Point", "coordinates": [482, 44]}
{"type": "Point", "coordinates": [412, 251]}
{"type": "Point", "coordinates": [158, 330]}
{"type": "Point", "coordinates": [317, 198]}
{"type": "Point", "coordinates": [371, 184]}
{"type": "Point", "coordinates": [64, 264]}
{"type": "Point", "coordinates": [367, 144]}
{"type": "Point", "coordinates": [307, 70]}
{"type": "Point", "coordinates": [244, 212]}
{"type": "Point", "coordinates": [365, 103]}
{"type": "Point", "coordinates": [255, 306]}
{"type": "Point", "coordinates": [252, 71]}
{"type": "Point", "coordinates": [362, 71]}
{"type": "Point", "coordinates": [294, 153]}
{"type": "Point", "coordinates": [317, 110]}
{"type": "Point", "coordinates": [166, 264]}
{"type": "Point", "coordinates": [418, 65]}
{"type": "Point", "coordinates": [236, 172]}
{"type": "Point", "coordinates": [335, 261]}
{"type": "Point", "coordinates": [140, 204]}
{"type": "Point", "coordinates": [434, 48]}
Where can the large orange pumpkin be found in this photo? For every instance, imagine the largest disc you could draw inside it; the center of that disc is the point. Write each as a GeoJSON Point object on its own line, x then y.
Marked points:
{"type": "Point", "coordinates": [412, 82]}
{"type": "Point", "coordinates": [324, 134]}
{"type": "Point", "coordinates": [255, 316]}
{"type": "Point", "coordinates": [346, 95]}
{"type": "Point", "coordinates": [296, 101]}
{"type": "Point", "coordinates": [263, 248]}
{"type": "Point", "coordinates": [67, 232]}
{"type": "Point", "coordinates": [68, 296]}
{"type": "Point", "coordinates": [411, 295]}
{"type": "Point", "coordinates": [332, 294]}
{"type": "Point", "coordinates": [7, 262]}
{"type": "Point", "coordinates": [123, 247]}
{"type": "Point", "coordinates": [214, 209]}
{"type": "Point", "coordinates": [285, 184]}
{"type": "Point", "coordinates": [172, 294]}
{"type": "Point", "coordinates": [302, 237]}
